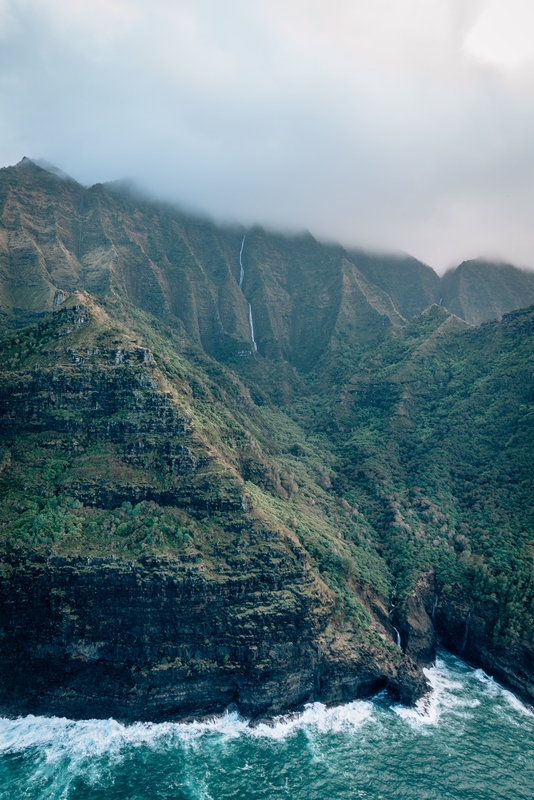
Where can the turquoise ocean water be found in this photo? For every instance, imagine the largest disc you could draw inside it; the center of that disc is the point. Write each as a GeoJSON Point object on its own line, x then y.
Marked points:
{"type": "Point", "coordinates": [471, 740]}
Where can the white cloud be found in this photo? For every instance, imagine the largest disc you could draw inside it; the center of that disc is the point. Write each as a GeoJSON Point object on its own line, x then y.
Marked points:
{"type": "Point", "coordinates": [373, 121]}
{"type": "Point", "coordinates": [503, 34]}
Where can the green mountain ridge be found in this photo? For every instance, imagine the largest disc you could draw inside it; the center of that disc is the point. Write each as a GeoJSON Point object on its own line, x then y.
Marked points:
{"type": "Point", "coordinates": [188, 523]}
{"type": "Point", "coordinates": [167, 262]}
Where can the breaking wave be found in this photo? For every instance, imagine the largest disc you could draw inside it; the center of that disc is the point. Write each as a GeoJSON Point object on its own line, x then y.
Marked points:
{"type": "Point", "coordinates": [367, 749]}
{"type": "Point", "coordinates": [93, 738]}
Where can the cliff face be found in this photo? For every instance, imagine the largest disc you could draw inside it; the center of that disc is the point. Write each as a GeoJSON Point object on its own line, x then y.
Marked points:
{"type": "Point", "coordinates": [113, 402]}
{"type": "Point", "coordinates": [473, 634]}
{"type": "Point", "coordinates": [161, 638]}
{"type": "Point", "coordinates": [306, 298]}
{"type": "Point", "coordinates": [56, 235]}
{"type": "Point", "coordinates": [138, 577]}
{"type": "Point", "coordinates": [480, 290]}
{"type": "Point", "coordinates": [188, 523]}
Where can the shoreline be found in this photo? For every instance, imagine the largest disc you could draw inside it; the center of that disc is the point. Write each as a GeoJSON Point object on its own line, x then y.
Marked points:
{"type": "Point", "coordinates": [292, 715]}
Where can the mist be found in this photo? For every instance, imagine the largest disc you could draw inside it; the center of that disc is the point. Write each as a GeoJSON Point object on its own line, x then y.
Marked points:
{"type": "Point", "coordinates": [385, 124]}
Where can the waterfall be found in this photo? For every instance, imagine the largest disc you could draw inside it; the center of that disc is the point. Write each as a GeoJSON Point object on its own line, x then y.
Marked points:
{"type": "Point", "coordinates": [241, 278]}
{"type": "Point", "coordinates": [398, 636]}
{"type": "Point", "coordinates": [434, 608]}
{"type": "Point", "coordinates": [252, 328]}
{"type": "Point", "coordinates": [466, 633]}
{"type": "Point", "coordinates": [241, 268]}
{"type": "Point", "coordinates": [393, 596]}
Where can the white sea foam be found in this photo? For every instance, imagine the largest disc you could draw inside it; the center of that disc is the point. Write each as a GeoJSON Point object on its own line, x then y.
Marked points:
{"type": "Point", "coordinates": [494, 689]}
{"type": "Point", "coordinates": [56, 758]}
{"type": "Point", "coordinates": [57, 737]}
{"type": "Point", "coordinates": [318, 716]}
{"type": "Point", "coordinates": [444, 696]}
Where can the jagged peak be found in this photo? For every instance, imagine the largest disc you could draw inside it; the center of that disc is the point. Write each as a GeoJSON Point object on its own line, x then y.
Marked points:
{"type": "Point", "coordinates": [64, 301]}
{"type": "Point", "coordinates": [24, 163]}
{"type": "Point", "coordinates": [41, 165]}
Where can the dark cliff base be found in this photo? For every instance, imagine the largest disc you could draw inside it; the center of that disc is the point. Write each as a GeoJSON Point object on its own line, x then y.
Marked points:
{"type": "Point", "coordinates": [160, 640]}
{"type": "Point", "coordinates": [471, 636]}
{"type": "Point", "coordinates": [429, 619]}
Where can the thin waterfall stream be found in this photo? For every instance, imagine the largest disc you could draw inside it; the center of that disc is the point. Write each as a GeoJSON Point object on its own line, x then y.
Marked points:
{"type": "Point", "coordinates": [241, 267]}
{"type": "Point", "coordinates": [466, 633]}
{"type": "Point", "coordinates": [252, 328]}
{"type": "Point", "coordinates": [241, 279]}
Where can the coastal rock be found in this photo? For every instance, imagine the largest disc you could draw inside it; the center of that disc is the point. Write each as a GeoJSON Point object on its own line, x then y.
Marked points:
{"type": "Point", "coordinates": [162, 639]}
{"type": "Point", "coordinates": [418, 636]}
{"type": "Point", "coordinates": [470, 634]}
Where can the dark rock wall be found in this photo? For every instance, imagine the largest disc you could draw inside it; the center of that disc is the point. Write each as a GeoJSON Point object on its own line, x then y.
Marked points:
{"type": "Point", "coordinates": [161, 639]}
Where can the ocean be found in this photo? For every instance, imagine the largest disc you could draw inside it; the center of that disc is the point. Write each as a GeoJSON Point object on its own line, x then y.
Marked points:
{"type": "Point", "coordinates": [471, 739]}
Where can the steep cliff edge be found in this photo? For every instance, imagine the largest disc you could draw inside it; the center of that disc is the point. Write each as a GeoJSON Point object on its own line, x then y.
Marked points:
{"type": "Point", "coordinates": [359, 479]}
{"type": "Point", "coordinates": [161, 638]}
{"type": "Point", "coordinates": [139, 577]}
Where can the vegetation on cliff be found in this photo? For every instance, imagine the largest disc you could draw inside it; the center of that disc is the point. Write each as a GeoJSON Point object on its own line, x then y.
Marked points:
{"type": "Point", "coordinates": [369, 466]}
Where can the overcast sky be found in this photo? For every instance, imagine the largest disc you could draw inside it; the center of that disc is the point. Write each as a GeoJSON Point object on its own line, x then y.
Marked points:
{"type": "Point", "coordinates": [392, 124]}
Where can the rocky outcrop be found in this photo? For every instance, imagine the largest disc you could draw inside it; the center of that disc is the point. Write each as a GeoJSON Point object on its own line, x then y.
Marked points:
{"type": "Point", "coordinates": [471, 634]}
{"type": "Point", "coordinates": [162, 638]}
{"type": "Point", "coordinates": [416, 626]}
{"type": "Point", "coordinates": [427, 619]}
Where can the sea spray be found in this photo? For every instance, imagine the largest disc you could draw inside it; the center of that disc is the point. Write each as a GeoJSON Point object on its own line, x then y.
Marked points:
{"type": "Point", "coordinates": [445, 694]}
{"type": "Point", "coordinates": [92, 738]}
{"type": "Point", "coordinates": [494, 689]}
{"type": "Point", "coordinates": [469, 738]}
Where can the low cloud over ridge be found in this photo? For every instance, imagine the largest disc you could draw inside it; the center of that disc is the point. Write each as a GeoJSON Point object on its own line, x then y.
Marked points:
{"type": "Point", "coordinates": [402, 124]}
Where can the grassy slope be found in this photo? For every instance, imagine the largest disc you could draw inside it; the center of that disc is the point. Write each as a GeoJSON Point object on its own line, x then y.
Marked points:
{"type": "Point", "coordinates": [387, 448]}
{"type": "Point", "coordinates": [434, 445]}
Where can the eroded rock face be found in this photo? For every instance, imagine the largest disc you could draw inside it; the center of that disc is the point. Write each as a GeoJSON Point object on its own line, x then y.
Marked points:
{"type": "Point", "coordinates": [161, 639]}
{"type": "Point", "coordinates": [114, 396]}
{"type": "Point", "coordinates": [471, 634]}
{"type": "Point", "coordinates": [428, 619]}
{"type": "Point", "coordinates": [418, 635]}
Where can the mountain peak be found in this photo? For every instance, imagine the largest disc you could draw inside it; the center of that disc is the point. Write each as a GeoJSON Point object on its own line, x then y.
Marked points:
{"type": "Point", "coordinates": [25, 163]}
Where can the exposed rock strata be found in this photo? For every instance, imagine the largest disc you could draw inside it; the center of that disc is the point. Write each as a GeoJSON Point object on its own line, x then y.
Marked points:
{"type": "Point", "coordinates": [161, 639]}
{"type": "Point", "coordinates": [245, 621]}
{"type": "Point", "coordinates": [470, 634]}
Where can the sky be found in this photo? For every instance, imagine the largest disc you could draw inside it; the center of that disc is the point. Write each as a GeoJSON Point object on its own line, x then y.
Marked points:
{"type": "Point", "coordinates": [388, 124]}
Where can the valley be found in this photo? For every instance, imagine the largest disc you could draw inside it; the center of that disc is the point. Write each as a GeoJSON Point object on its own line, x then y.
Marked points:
{"type": "Point", "coordinates": [237, 466]}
